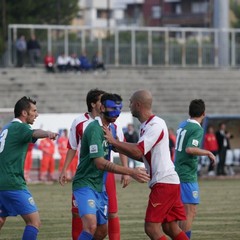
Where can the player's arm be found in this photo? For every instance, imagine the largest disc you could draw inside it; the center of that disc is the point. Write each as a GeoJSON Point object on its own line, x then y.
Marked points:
{"type": "Point", "coordinates": [69, 157]}
{"type": "Point", "coordinates": [39, 133]}
{"type": "Point", "coordinates": [138, 174]}
{"type": "Point", "coordinates": [200, 152]}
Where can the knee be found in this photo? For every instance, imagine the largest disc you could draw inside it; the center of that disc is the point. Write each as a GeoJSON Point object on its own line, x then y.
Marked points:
{"type": "Point", "coordinates": [2, 221]}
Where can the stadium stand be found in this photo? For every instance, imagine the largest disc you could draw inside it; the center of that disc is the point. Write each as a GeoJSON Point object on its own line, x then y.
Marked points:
{"type": "Point", "coordinates": [172, 88]}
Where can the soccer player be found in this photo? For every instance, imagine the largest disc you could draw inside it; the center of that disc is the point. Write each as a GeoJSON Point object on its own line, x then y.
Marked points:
{"type": "Point", "coordinates": [79, 125]}
{"type": "Point", "coordinates": [164, 206]}
{"type": "Point", "coordinates": [89, 182]}
{"type": "Point", "coordinates": [187, 150]}
{"type": "Point", "coordinates": [15, 198]}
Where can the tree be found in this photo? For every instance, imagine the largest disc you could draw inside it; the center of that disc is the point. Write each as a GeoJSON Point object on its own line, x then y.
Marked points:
{"type": "Point", "coordinates": [36, 12]}
{"type": "Point", "coordinates": [235, 8]}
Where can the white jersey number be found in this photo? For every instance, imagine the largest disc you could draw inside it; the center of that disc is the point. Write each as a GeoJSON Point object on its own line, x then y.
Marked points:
{"type": "Point", "coordinates": [2, 139]}
{"type": "Point", "coordinates": [180, 137]}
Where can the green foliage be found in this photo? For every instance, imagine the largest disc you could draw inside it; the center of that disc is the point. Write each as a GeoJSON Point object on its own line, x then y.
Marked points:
{"type": "Point", "coordinates": [59, 12]}
{"type": "Point", "coordinates": [235, 8]}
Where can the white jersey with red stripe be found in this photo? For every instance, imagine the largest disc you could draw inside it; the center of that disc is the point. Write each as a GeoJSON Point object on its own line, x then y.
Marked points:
{"type": "Point", "coordinates": [154, 144]}
{"type": "Point", "coordinates": [78, 127]}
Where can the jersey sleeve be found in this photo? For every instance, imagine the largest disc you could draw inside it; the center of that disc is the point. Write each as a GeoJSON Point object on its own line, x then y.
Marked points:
{"type": "Point", "coordinates": [26, 133]}
{"type": "Point", "coordinates": [72, 139]}
{"type": "Point", "coordinates": [195, 138]}
{"type": "Point", "coordinates": [95, 141]}
{"type": "Point", "coordinates": [151, 136]}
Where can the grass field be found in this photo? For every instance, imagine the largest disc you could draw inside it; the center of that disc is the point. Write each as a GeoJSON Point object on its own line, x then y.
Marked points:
{"type": "Point", "coordinates": [218, 215]}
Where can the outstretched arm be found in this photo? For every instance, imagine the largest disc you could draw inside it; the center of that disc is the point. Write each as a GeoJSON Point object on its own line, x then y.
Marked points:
{"type": "Point", "coordinates": [138, 174]}
{"type": "Point", "coordinates": [39, 133]}
{"type": "Point", "coordinates": [125, 179]}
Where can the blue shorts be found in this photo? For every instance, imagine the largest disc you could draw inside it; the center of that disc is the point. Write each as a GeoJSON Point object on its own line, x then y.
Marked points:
{"type": "Point", "coordinates": [190, 193]}
{"type": "Point", "coordinates": [16, 202]}
{"type": "Point", "coordinates": [92, 202]}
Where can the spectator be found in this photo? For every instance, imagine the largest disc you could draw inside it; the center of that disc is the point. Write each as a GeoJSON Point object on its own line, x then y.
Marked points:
{"type": "Point", "coordinates": [28, 162]}
{"type": "Point", "coordinates": [210, 144]}
{"type": "Point", "coordinates": [34, 50]}
{"type": "Point", "coordinates": [75, 63]}
{"type": "Point", "coordinates": [21, 47]}
{"type": "Point", "coordinates": [62, 149]}
{"type": "Point", "coordinates": [223, 145]}
{"type": "Point", "coordinates": [96, 63]}
{"type": "Point", "coordinates": [131, 136]}
{"type": "Point", "coordinates": [47, 167]}
{"type": "Point", "coordinates": [85, 64]}
{"type": "Point", "coordinates": [63, 63]}
{"type": "Point", "coordinates": [49, 62]}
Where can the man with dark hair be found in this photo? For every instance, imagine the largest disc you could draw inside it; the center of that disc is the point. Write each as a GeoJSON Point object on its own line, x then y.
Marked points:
{"type": "Point", "coordinates": [188, 143]}
{"type": "Point", "coordinates": [15, 198]}
{"type": "Point", "coordinates": [89, 182]}
{"type": "Point", "coordinates": [93, 101]}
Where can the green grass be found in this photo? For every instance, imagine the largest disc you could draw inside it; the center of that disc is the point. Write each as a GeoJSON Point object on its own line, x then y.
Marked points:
{"type": "Point", "coordinates": [218, 216]}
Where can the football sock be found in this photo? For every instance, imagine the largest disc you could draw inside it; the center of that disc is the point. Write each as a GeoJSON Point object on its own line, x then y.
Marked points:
{"type": "Point", "coordinates": [181, 236]}
{"type": "Point", "coordinates": [162, 238]}
{"type": "Point", "coordinates": [188, 233]}
{"type": "Point", "coordinates": [85, 236]}
{"type": "Point", "coordinates": [76, 227]}
{"type": "Point", "coordinates": [114, 228]}
{"type": "Point", "coordinates": [30, 232]}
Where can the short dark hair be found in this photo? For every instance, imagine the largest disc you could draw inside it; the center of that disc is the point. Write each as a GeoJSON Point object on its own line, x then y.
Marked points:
{"type": "Point", "coordinates": [93, 97]}
{"type": "Point", "coordinates": [196, 108]}
{"type": "Point", "coordinates": [23, 104]}
{"type": "Point", "coordinates": [111, 96]}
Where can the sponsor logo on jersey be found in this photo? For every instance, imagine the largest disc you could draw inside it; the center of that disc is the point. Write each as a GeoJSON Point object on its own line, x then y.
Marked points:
{"type": "Point", "coordinates": [195, 142]}
{"type": "Point", "coordinates": [31, 201]}
{"type": "Point", "coordinates": [91, 203]}
{"type": "Point", "coordinates": [195, 194]}
{"type": "Point", "coordinates": [93, 148]}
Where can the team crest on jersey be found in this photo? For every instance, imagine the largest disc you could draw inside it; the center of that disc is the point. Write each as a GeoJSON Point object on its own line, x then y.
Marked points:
{"type": "Point", "coordinates": [91, 203]}
{"type": "Point", "coordinates": [31, 201]}
{"type": "Point", "coordinates": [93, 148]}
{"type": "Point", "coordinates": [195, 194]}
{"type": "Point", "coordinates": [195, 142]}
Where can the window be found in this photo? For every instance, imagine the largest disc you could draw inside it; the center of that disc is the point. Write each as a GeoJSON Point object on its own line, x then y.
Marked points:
{"type": "Point", "coordinates": [199, 7]}
{"type": "Point", "coordinates": [156, 12]}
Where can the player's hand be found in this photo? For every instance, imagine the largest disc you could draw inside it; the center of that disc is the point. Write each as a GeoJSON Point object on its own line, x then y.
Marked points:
{"type": "Point", "coordinates": [108, 135]}
{"type": "Point", "coordinates": [52, 135]}
{"type": "Point", "coordinates": [140, 174]}
{"type": "Point", "coordinates": [125, 180]}
{"type": "Point", "coordinates": [62, 178]}
{"type": "Point", "coordinates": [212, 158]}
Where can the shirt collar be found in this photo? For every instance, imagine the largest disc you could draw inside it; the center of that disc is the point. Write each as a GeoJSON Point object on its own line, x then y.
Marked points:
{"type": "Point", "coordinates": [16, 120]}
{"type": "Point", "coordinates": [194, 121]}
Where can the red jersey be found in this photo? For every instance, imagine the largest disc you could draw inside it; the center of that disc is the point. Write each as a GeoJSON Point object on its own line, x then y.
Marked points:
{"type": "Point", "coordinates": [210, 142]}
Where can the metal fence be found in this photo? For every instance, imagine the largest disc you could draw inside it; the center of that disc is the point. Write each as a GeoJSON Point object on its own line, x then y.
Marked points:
{"type": "Point", "coordinates": [136, 46]}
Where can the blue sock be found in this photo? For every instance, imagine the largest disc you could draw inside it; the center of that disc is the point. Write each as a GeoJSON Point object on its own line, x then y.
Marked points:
{"type": "Point", "coordinates": [30, 232]}
{"type": "Point", "coordinates": [188, 233]}
{"type": "Point", "coordinates": [85, 236]}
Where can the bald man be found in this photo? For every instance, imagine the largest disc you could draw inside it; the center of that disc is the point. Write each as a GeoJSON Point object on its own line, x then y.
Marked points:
{"type": "Point", "coordinates": [164, 206]}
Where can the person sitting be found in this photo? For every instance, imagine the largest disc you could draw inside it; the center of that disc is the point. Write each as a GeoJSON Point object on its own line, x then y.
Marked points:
{"type": "Point", "coordinates": [62, 63]}
{"type": "Point", "coordinates": [85, 64]}
{"type": "Point", "coordinates": [75, 63]}
{"type": "Point", "coordinates": [96, 63]}
{"type": "Point", "coordinates": [49, 62]}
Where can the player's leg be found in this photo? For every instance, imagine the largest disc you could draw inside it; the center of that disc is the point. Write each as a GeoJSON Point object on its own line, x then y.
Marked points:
{"type": "Point", "coordinates": [190, 199]}
{"type": "Point", "coordinates": [186, 226]}
{"type": "Point", "coordinates": [2, 221]}
{"type": "Point", "coordinates": [87, 203]}
{"type": "Point", "coordinates": [113, 218]}
{"type": "Point", "coordinates": [76, 220]}
{"type": "Point", "coordinates": [43, 168]}
{"type": "Point", "coordinates": [51, 168]}
{"type": "Point", "coordinates": [32, 221]}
